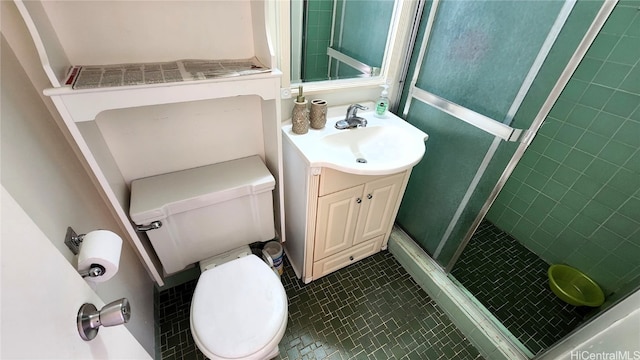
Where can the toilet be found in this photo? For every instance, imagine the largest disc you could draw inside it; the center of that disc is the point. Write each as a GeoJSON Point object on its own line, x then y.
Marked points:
{"type": "Point", "coordinates": [209, 215]}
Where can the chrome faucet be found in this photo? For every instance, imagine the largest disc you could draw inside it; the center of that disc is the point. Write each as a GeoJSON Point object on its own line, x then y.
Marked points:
{"type": "Point", "coordinates": [352, 119]}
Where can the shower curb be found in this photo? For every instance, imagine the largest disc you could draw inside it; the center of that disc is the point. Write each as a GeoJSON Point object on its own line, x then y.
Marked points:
{"type": "Point", "coordinates": [476, 326]}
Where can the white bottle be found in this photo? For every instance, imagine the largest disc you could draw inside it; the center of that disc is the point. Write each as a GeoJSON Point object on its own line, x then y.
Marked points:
{"type": "Point", "coordinates": [382, 104]}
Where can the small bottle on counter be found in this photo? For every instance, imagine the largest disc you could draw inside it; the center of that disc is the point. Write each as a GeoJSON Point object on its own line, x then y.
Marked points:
{"type": "Point", "coordinates": [300, 116]}
{"type": "Point", "coordinates": [382, 104]}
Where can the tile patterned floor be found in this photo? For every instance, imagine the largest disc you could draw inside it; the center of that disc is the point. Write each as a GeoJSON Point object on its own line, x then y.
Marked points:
{"type": "Point", "coordinates": [369, 310]}
{"type": "Point", "coordinates": [172, 319]}
{"type": "Point", "coordinates": [511, 282]}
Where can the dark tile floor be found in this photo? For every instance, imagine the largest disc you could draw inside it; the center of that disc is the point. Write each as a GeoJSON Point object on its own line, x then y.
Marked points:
{"type": "Point", "coordinates": [173, 333]}
{"type": "Point", "coordinates": [511, 282]}
{"type": "Point", "coordinates": [369, 310]}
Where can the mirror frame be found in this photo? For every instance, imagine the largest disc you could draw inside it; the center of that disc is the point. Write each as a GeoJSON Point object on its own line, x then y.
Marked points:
{"type": "Point", "coordinates": [402, 22]}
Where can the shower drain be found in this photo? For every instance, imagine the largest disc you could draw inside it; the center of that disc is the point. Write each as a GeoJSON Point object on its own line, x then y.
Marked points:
{"type": "Point", "coordinates": [361, 160]}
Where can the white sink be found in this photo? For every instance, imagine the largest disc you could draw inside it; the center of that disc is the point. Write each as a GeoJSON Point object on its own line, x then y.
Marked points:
{"type": "Point", "coordinates": [385, 146]}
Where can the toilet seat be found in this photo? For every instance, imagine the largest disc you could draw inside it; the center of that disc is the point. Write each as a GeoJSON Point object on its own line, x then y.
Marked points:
{"type": "Point", "coordinates": [239, 310]}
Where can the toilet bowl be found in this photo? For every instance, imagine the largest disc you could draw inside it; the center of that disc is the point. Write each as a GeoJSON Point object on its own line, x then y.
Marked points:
{"type": "Point", "coordinates": [239, 310]}
{"type": "Point", "coordinates": [209, 215]}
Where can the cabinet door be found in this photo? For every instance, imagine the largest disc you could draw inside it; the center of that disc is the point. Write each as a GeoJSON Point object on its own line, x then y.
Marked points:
{"type": "Point", "coordinates": [378, 200]}
{"type": "Point", "coordinates": [336, 222]}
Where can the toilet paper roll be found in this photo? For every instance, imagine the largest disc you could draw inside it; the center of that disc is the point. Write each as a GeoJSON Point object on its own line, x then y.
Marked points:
{"type": "Point", "coordinates": [100, 247]}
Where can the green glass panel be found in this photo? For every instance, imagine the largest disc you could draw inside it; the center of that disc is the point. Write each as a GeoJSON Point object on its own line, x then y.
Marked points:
{"type": "Point", "coordinates": [438, 183]}
{"type": "Point", "coordinates": [480, 52]}
{"type": "Point", "coordinates": [480, 195]}
{"type": "Point", "coordinates": [356, 36]}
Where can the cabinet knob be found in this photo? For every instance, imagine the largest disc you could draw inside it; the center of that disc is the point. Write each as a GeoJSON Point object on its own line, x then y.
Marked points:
{"type": "Point", "coordinates": [351, 258]}
{"type": "Point", "coordinates": [358, 200]}
{"type": "Point", "coordinates": [369, 196]}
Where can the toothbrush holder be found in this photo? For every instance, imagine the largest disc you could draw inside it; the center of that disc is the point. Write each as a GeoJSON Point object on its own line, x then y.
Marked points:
{"type": "Point", "coordinates": [318, 113]}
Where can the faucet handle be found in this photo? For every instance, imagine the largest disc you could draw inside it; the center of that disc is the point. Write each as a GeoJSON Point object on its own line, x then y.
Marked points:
{"type": "Point", "coordinates": [352, 110]}
{"type": "Point", "coordinates": [356, 107]}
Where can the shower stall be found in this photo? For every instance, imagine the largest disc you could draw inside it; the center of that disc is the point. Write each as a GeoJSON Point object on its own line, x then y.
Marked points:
{"type": "Point", "coordinates": [516, 175]}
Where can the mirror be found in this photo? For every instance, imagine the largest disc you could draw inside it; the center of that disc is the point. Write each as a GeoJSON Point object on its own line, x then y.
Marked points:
{"type": "Point", "coordinates": [339, 39]}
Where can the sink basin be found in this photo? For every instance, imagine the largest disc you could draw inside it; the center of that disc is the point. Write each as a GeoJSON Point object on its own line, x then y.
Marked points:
{"type": "Point", "coordinates": [386, 146]}
{"type": "Point", "coordinates": [377, 144]}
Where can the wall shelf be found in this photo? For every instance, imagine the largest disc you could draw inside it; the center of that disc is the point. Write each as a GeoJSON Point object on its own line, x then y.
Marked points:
{"type": "Point", "coordinates": [67, 33]}
{"type": "Point", "coordinates": [86, 104]}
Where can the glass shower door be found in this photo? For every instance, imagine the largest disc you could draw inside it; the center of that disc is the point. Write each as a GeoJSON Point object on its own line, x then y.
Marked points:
{"type": "Point", "coordinates": [360, 32]}
{"type": "Point", "coordinates": [476, 64]}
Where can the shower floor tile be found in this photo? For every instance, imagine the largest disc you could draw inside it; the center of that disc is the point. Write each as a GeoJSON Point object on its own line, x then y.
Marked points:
{"type": "Point", "coordinates": [511, 282]}
{"type": "Point", "coordinates": [369, 310]}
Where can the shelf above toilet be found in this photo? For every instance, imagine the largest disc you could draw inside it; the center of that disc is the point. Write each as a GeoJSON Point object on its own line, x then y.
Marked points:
{"type": "Point", "coordinates": [86, 104]}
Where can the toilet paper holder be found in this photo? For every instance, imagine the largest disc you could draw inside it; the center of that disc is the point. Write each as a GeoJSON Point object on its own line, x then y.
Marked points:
{"type": "Point", "coordinates": [73, 242]}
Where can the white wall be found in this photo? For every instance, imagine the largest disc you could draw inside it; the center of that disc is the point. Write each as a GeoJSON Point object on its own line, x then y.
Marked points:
{"type": "Point", "coordinates": [151, 140]}
{"type": "Point", "coordinates": [615, 334]}
{"type": "Point", "coordinates": [137, 31]}
{"type": "Point", "coordinates": [41, 171]}
{"type": "Point", "coordinates": [36, 322]}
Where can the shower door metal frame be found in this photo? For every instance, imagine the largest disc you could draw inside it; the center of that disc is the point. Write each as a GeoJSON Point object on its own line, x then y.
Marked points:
{"type": "Point", "coordinates": [501, 130]}
{"type": "Point", "coordinates": [565, 76]}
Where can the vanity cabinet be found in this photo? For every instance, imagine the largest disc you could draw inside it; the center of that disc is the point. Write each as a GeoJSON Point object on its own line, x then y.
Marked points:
{"type": "Point", "coordinates": [334, 217]}
{"type": "Point", "coordinates": [343, 189]}
{"type": "Point", "coordinates": [352, 223]}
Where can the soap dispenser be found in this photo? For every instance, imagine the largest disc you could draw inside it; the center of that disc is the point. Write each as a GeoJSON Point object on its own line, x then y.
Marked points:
{"type": "Point", "coordinates": [382, 104]}
{"type": "Point", "coordinates": [300, 116]}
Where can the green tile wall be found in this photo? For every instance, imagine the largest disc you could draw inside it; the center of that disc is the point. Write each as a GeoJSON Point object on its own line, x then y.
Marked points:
{"type": "Point", "coordinates": [574, 197]}
{"type": "Point", "coordinates": [318, 24]}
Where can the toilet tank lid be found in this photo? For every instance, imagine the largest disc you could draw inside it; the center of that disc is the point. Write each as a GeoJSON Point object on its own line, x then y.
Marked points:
{"type": "Point", "coordinates": [156, 197]}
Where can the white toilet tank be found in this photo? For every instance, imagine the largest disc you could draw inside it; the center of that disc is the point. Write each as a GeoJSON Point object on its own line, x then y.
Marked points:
{"type": "Point", "coordinates": [205, 211]}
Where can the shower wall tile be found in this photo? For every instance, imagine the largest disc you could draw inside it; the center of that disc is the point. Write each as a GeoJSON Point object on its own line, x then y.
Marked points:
{"type": "Point", "coordinates": [596, 96]}
{"type": "Point", "coordinates": [319, 14]}
{"type": "Point", "coordinates": [574, 197]}
{"type": "Point", "coordinates": [620, 20]}
{"type": "Point", "coordinates": [632, 81]}
{"type": "Point", "coordinates": [575, 89]}
{"type": "Point", "coordinates": [606, 124]}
